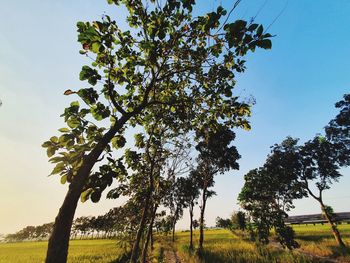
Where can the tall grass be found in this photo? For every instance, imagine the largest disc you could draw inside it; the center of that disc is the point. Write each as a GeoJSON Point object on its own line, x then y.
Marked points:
{"type": "Point", "coordinates": [318, 240]}
{"type": "Point", "coordinates": [80, 251]}
{"type": "Point", "coordinates": [220, 246]}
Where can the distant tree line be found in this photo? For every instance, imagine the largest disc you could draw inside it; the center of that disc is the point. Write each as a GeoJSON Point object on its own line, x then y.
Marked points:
{"type": "Point", "coordinates": [31, 233]}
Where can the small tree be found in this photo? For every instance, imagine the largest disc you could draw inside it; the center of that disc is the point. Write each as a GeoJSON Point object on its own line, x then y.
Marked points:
{"type": "Point", "coordinates": [239, 220]}
{"type": "Point", "coordinates": [195, 224]}
{"type": "Point", "coordinates": [176, 202]}
{"type": "Point", "coordinates": [191, 194]}
{"type": "Point", "coordinates": [269, 192]}
{"type": "Point", "coordinates": [223, 223]}
{"type": "Point", "coordinates": [321, 164]}
{"type": "Point", "coordinates": [215, 156]}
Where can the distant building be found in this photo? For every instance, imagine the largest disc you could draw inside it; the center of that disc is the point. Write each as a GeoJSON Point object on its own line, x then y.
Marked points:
{"type": "Point", "coordinates": [318, 219]}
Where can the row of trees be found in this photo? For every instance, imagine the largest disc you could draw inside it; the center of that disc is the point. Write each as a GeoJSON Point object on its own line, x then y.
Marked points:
{"type": "Point", "coordinates": [31, 233]}
{"type": "Point", "coordinates": [294, 171]}
{"type": "Point", "coordinates": [110, 225]}
{"type": "Point", "coordinates": [171, 76]}
{"type": "Point", "coordinates": [238, 220]}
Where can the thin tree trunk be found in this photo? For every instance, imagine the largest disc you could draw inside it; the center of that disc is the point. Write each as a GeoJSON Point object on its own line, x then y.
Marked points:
{"type": "Point", "coordinates": [335, 230]}
{"type": "Point", "coordinates": [173, 238]}
{"type": "Point", "coordinates": [191, 226]}
{"type": "Point", "coordinates": [136, 246]}
{"type": "Point", "coordinates": [57, 250]}
{"type": "Point", "coordinates": [201, 223]}
{"type": "Point", "coordinates": [152, 240]}
{"type": "Point", "coordinates": [149, 234]}
{"type": "Point", "coordinates": [174, 223]}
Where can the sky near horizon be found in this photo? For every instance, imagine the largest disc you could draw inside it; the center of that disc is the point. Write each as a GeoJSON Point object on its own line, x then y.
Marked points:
{"type": "Point", "coordinates": [295, 86]}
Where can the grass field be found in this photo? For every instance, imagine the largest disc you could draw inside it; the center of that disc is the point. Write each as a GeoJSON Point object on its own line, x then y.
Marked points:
{"type": "Point", "coordinates": [220, 246]}
{"type": "Point", "coordinates": [80, 251]}
{"type": "Point", "coordinates": [317, 245]}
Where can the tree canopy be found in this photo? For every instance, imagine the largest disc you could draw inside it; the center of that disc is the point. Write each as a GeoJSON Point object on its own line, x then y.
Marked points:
{"type": "Point", "coordinates": [166, 60]}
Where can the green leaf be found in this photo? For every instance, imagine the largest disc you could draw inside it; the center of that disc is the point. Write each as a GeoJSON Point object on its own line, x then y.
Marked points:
{"type": "Point", "coordinates": [85, 195]}
{"type": "Point", "coordinates": [54, 139]}
{"type": "Point", "coordinates": [252, 27]}
{"type": "Point", "coordinates": [75, 104]}
{"type": "Point", "coordinates": [58, 168]}
{"type": "Point", "coordinates": [95, 196]}
{"type": "Point", "coordinates": [56, 159]}
{"type": "Point", "coordinates": [73, 122]}
{"type": "Point", "coordinates": [50, 151]}
{"type": "Point", "coordinates": [264, 43]}
{"type": "Point", "coordinates": [63, 179]}
{"type": "Point", "coordinates": [64, 130]}
{"type": "Point", "coordinates": [89, 96]}
{"type": "Point", "coordinates": [89, 74]}
{"type": "Point", "coordinates": [95, 47]}
{"type": "Point", "coordinates": [118, 141]}
{"type": "Point", "coordinates": [46, 144]}
{"type": "Point", "coordinates": [100, 111]}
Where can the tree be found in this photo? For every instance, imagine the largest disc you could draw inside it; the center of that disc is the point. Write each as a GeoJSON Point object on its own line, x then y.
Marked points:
{"type": "Point", "coordinates": [169, 59]}
{"type": "Point", "coordinates": [223, 223]}
{"type": "Point", "coordinates": [259, 200]}
{"type": "Point", "coordinates": [215, 156]}
{"type": "Point", "coordinates": [338, 130]}
{"type": "Point", "coordinates": [31, 233]}
{"type": "Point", "coordinates": [239, 220]}
{"type": "Point", "coordinates": [191, 194]}
{"type": "Point", "coordinates": [176, 202]}
{"type": "Point", "coordinates": [195, 224]}
{"type": "Point", "coordinates": [269, 192]}
{"type": "Point", "coordinates": [321, 165]}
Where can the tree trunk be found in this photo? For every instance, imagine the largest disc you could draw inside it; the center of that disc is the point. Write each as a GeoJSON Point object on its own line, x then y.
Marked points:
{"type": "Point", "coordinates": [136, 246]}
{"type": "Point", "coordinates": [335, 231]}
{"type": "Point", "coordinates": [149, 234]}
{"type": "Point", "coordinates": [174, 224]}
{"type": "Point", "coordinates": [57, 250]}
{"type": "Point", "coordinates": [201, 223]}
{"type": "Point", "coordinates": [152, 240]}
{"type": "Point", "coordinates": [191, 226]}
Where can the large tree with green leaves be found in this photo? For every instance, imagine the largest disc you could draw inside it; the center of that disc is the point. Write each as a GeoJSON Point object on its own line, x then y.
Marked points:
{"type": "Point", "coordinates": [167, 58]}
{"type": "Point", "coordinates": [268, 192]}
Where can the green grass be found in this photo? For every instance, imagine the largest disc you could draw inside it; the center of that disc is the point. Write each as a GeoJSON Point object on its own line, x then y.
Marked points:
{"type": "Point", "coordinates": [220, 246]}
{"type": "Point", "coordinates": [318, 240]}
{"type": "Point", "coordinates": [80, 251]}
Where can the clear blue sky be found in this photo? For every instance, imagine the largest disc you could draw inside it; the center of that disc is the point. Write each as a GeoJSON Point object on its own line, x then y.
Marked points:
{"type": "Point", "coordinates": [295, 85]}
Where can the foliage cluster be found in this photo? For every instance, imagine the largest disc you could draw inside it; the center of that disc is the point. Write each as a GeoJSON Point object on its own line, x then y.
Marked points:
{"type": "Point", "coordinates": [292, 172]}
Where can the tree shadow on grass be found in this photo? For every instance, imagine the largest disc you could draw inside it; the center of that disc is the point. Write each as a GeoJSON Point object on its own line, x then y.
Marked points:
{"type": "Point", "coordinates": [340, 251]}
{"type": "Point", "coordinates": [312, 238]}
{"type": "Point", "coordinates": [123, 258]}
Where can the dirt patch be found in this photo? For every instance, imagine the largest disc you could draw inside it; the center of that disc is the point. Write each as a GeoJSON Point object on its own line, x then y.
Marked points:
{"type": "Point", "coordinates": [170, 256]}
